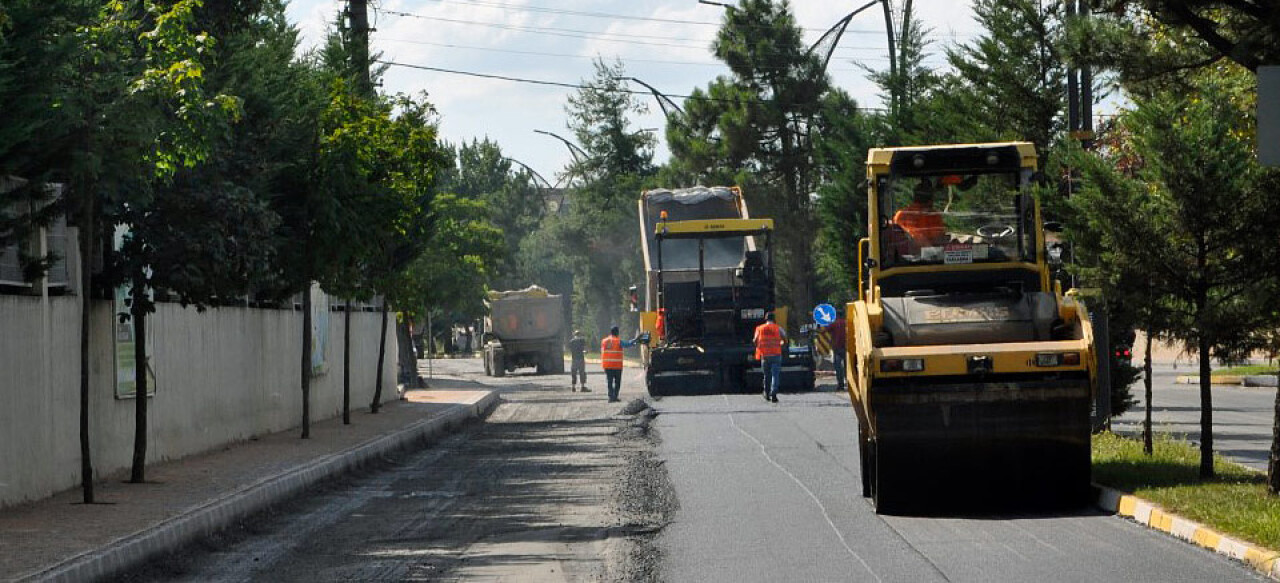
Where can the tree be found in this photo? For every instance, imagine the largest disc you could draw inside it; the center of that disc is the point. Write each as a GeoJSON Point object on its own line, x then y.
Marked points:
{"type": "Point", "coordinates": [410, 158]}
{"type": "Point", "coordinates": [517, 206]}
{"type": "Point", "coordinates": [203, 240]}
{"type": "Point", "coordinates": [1195, 222]}
{"type": "Point", "coordinates": [192, 233]}
{"type": "Point", "coordinates": [137, 111]}
{"type": "Point", "coordinates": [1011, 78]}
{"type": "Point", "coordinates": [1164, 45]}
{"type": "Point", "coordinates": [757, 124]}
{"type": "Point", "coordinates": [37, 44]}
{"type": "Point", "coordinates": [450, 277]}
{"type": "Point", "coordinates": [908, 86]}
{"type": "Point", "coordinates": [596, 235]}
{"type": "Point", "coordinates": [1245, 31]}
{"type": "Point", "coordinates": [841, 146]}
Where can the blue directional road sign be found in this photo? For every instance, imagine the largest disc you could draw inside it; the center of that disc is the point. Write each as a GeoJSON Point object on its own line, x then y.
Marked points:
{"type": "Point", "coordinates": [824, 314]}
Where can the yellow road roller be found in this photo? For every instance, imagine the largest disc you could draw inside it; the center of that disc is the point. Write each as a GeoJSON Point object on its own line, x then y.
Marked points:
{"type": "Point", "coordinates": [970, 371]}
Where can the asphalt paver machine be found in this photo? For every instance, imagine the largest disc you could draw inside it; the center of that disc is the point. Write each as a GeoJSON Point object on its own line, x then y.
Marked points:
{"type": "Point", "coordinates": [710, 279]}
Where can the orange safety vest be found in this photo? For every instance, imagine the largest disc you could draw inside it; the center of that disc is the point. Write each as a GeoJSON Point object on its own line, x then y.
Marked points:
{"type": "Point", "coordinates": [922, 223]}
{"type": "Point", "coordinates": [768, 340]}
{"type": "Point", "coordinates": [661, 325]}
{"type": "Point", "coordinates": [611, 353]}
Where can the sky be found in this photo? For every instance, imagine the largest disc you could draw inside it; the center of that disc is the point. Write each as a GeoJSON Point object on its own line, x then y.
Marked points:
{"type": "Point", "coordinates": [665, 43]}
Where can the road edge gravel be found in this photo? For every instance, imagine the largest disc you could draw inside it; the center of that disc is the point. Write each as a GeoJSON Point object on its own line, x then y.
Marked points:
{"type": "Point", "coordinates": [1146, 513]}
{"type": "Point", "coordinates": [643, 500]}
{"type": "Point", "coordinates": [133, 551]}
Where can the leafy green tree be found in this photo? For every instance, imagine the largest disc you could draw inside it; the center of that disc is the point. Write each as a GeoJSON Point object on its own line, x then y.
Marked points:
{"type": "Point", "coordinates": [410, 159]}
{"type": "Point", "coordinates": [1246, 32]}
{"type": "Point", "coordinates": [450, 278]}
{"type": "Point", "coordinates": [134, 95]}
{"type": "Point", "coordinates": [1196, 223]}
{"type": "Point", "coordinates": [482, 172]}
{"type": "Point", "coordinates": [193, 234]}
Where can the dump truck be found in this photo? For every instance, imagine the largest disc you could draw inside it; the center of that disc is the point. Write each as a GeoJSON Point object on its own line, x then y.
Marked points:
{"type": "Point", "coordinates": [971, 373]}
{"type": "Point", "coordinates": [524, 328]}
{"type": "Point", "coordinates": [709, 277]}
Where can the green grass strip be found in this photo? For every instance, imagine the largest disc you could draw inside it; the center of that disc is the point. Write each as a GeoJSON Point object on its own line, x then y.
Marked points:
{"type": "Point", "coordinates": [1235, 503]}
{"type": "Point", "coordinates": [1252, 369]}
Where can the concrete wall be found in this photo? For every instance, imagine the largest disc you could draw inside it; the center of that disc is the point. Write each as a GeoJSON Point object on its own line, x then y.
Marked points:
{"type": "Point", "coordinates": [222, 376]}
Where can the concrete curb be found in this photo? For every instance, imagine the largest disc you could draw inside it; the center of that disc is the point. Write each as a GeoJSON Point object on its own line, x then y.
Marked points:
{"type": "Point", "coordinates": [134, 550]}
{"type": "Point", "coordinates": [1268, 380]}
{"type": "Point", "coordinates": [1264, 561]}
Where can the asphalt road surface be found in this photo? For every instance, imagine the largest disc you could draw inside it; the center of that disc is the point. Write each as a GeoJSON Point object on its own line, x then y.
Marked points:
{"type": "Point", "coordinates": [560, 486]}
{"type": "Point", "coordinates": [1242, 416]}
{"type": "Point", "coordinates": [771, 493]}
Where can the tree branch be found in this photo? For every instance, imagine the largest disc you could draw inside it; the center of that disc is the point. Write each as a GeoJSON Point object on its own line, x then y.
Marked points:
{"type": "Point", "coordinates": [1250, 8]}
{"type": "Point", "coordinates": [1206, 29]}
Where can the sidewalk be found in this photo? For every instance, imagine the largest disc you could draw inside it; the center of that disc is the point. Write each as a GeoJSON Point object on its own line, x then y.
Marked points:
{"type": "Point", "coordinates": [60, 539]}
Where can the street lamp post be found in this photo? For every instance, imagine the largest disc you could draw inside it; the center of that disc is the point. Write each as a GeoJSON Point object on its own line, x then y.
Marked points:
{"type": "Point", "coordinates": [532, 172]}
{"type": "Point", "coordinates": [578, 153]}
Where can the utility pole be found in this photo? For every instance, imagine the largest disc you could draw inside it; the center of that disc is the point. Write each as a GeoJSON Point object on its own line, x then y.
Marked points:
{"type": "Point", "coordinates": [893, 60]}
{"type": "Point", "coordinates": [358, 12]}
{"type": "Point", "coordinates": [1080, 127]}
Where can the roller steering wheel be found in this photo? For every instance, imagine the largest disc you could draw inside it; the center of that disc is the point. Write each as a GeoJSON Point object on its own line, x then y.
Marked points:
{"type": "Point", "coordinates": [995, 231]}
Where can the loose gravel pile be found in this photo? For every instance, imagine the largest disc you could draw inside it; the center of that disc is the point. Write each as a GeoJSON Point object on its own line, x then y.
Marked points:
{"type": "Point", "coordinates": [643, 499]}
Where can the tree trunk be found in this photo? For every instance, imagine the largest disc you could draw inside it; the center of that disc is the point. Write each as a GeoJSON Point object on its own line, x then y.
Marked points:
{"type": "Point", "coordinates": [306, 361]}
{"type": "Point", "coordinates": [1273, 467]}
{"type": "Point", "coordinates": [87, 238]}
{"type": "Point", "coordinates": [346, 363]}
{"type": "Point", "coordinates": [1147, 446]}
{"type": "Point", "coordinates": [137, 474]}
{"type": "Point", "coordinates": [802, 282]}
{"type": "Point", "coordinates": [1206, 411]}
{"type": "Point", "coordinates": [382, 353]}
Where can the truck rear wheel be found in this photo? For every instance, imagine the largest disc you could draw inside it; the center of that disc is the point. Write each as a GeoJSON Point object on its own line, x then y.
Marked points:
{"type": "Point", "coordinates": [488, 367]}
{"type": "Point", "coordinates": [499, 367]}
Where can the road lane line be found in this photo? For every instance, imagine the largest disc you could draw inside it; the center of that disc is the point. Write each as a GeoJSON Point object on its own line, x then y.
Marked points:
{"type": "Point", "coordinates": [806, 489]}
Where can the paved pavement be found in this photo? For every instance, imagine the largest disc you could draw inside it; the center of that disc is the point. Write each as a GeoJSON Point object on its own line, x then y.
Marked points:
{"type": "Point", "coordinates": [771, 493]}
{"type": "Point", "coordinates": [58, 538]}
{"type": "Point", "coordinates": [1242, 416]}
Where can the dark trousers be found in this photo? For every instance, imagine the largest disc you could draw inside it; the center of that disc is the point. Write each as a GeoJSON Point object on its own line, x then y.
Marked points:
{"type": "Point", "coordinates": [771, 366]}
{"type": "Point", "coordinates": [837, 362]}
{"type": "Point", "coordinates": [613, 378]}
{"type": "Point", "coordinates": [578, 370]}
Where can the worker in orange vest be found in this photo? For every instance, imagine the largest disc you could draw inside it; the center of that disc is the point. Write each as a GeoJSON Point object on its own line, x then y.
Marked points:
{"type": "Point", "coordinates": [611, 360]}
{"type": "Point", "coordinates": [919, 219]}
{"type": "Point", "coordinates": [660, 325]}
{"type": "Point", "coordinates": [769, 338]}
